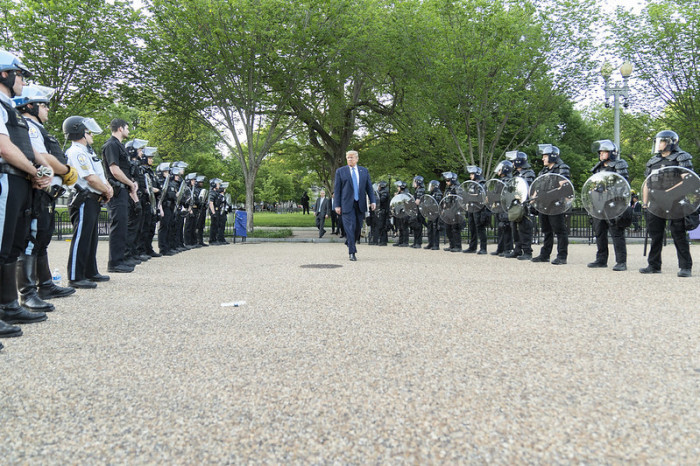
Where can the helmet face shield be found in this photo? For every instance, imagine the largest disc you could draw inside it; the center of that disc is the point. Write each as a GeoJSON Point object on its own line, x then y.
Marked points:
{"type": "Point", "coordinates": [661, 144]}
{"type": "Point", "coordinates": [92, 126]}
{"type": "Point", "coordinates": [150, 151]}
{"type": "Point", "coordinates": [34, 94]}
{"type": "Point", "coordinates": [163, 167]}
{"type": "Point", "coordinates": [544, 149]}
{"type": "Point", "coordinates": [139, 143]}
{"type": "Point", "coordinates": [511, 155]}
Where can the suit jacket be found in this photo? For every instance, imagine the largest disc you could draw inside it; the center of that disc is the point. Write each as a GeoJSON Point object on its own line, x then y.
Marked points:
{"type": "Point", "coordinates": [324, 209]}
{"type": "Point", "coordinates": [344, 192]}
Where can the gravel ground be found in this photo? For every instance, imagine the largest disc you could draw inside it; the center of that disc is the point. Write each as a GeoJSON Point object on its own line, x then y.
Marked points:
{"type": "Point", "coordinates": [405, 356]}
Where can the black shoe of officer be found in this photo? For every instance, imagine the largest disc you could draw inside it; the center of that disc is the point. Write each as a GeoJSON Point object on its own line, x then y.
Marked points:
{"type": "Point", "coordinates": [13, 313]}
{"type": "Point", "coordinates": [120, 268]}
{"type": "Point", "coordinates": [558, 261]}
{"type": "Point", "coordinates": [684, 273]}
{"type": "Point", "coordinates": [430, 246]}
{"type": "Point", "coordinates": [469, 251]}
{"type": "Point", "coordinates": [496, 253]}
{"type": "Point", "coordinates": [143, 257]}
{"type": "Point", "coordinates": [597, 265]}
{"type": "Point", "coordinates": [25, 275]}
{"type": "Point", "coordinates": [9, 331]}
{"type": "Point", "coordinates": [435, 248]}
{"type": "Point", "coordinates": [99, 278]}
{"type": "Point", "coordinates": [649, 269]}
{"type": "Point", "coordinates": [85, 284]}
{"type": "Point", "coordinates": [169, 252]}
{"type": "Point", "coordinates": [540, 259]}
{"type": "Point", "coordinates": [512, 255]}
{"type": "Point", "coordinates": [482, 252]}
{"type": "Point", "coordinates": [525, 257]}
{"type": "Point", "coordinates": [204, 245]}
{"type": "Point", "coordinates": [620, 267]}
{"type": "Point", "coordinates": [154, 254]}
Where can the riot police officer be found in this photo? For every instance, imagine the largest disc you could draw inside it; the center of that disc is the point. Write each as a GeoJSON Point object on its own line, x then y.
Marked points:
{"type": "Point", "coordinates": [417, 222]}
{"type": "Point", "coordinates": [193, 212]}
{"type": "Point", "coordinates": [522, 228]}
{"type": "Point", "coordinates": [433, 226]}
{"type": "Point", "coordinates": [214, 208]}
{"type": "Point", "coordinates": [33, 263]}
{"type": "Point", "coordinates": [149, 204]}
{"type": "Point", "coordinates": [401, 224]}
{"type": "Point", "coordinates": [168, 196]}
{"type": "Point", "coordinates": [134, 150]}
{"type": "Point", "coordinates": [553, 224]}
{"type": "Point", "coordinates": [667, 153]}
{"type": "Point", "coordinates": [504, 233]}
{"type": "Point", "coordinates": [382, 213]}
{"type": "Point", "coordinates": [17, 167]}
{"type": "Point", "coordinates": [477, 221]}
{"type": "Point", "coordinates": [453, 231]}
{"type": "Point", "coordinates": [201, 199]}
{"type": "Point", "coordinates": [609, 161]}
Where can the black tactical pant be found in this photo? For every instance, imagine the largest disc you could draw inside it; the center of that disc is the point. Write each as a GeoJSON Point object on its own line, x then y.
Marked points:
{"type": "Point", "coordinates": [600, 229]}
{"type": "Point", "coordinates": [201, 222]}
{"type": "Point", "coordinates": [191, 226]}
{"type": "Point", "coordinates": [477, 230]}
{"type": "Point", "coordinates": [166, 220]}
{"type": "Point", "coordinates": [145, 236]}
{"type": "Point", "coordinates": [15, 203]}
{"type": "Point", "coordinates": [134, 227]}
{"type": "Point", "coordinates": [505, 237]}
{"type": "Point", "coordinates": [42, 224]}
{"type": "Point", "coordinates": [82, 258]}
{"type": "Point", "coordinates": [554, 225]}
{"type": "Point", "coordinates": [656, 227]}
{"type": "Point", "coordinates": [118, 210]}
{"type": "Point", "coordinates": [213, 226]}
{"type": "Point", "coordinates": [417, 229]}
{"type": "Point", "coordinates": [522, 235]}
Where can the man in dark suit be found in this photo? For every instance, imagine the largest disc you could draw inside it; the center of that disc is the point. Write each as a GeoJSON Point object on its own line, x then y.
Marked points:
{"type": "Point", "coordinates": [322, 209]}
{"type": "Point", "coordinates": [352, 186]}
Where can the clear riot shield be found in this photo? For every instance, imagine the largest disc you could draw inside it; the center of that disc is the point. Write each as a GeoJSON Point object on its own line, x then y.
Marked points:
{"type": "Point", "coordinates": [403, 206]}
{"type": "Point", "coordinates": [551, 194]}
{"type": "Point", "coordinates": [452, 209]}
{"type": "Point", "coordinates": [429, 207]}
{"type": "Point", "coordinates": [180, 192]}
{"type": "Point", "coordinates": [515, 192]}
{"type": "Point", "coordinates": [151, 195]}
{"type": "Point", "coordinates": [473, 196]}
{"type": "Point", "coordinates": [203, 196]}
{"type": "Point", "coordinates": [671, 192]}
{"type": "Point", "coordinates": [494, 196]}
{"type": "Point", "coordinates": [606, 195]}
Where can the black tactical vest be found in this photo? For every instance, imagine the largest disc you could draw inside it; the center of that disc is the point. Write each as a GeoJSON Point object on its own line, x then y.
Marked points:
{"type": "Point", "coordinates": [52, 145]}
{"type": "Point", "coordinates": [18, 131]}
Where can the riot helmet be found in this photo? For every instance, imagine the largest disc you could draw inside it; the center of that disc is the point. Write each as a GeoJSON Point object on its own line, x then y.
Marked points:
{"type": "Point", "coordinates": [504, 168]}
{"type": "Point", "coordinates": [213, 182]}
{"type": "Point", "coordinates": [549, 150]}
{"type": "Point", "coordinates": [33, 94]}
{"type": "Point", "coordinates": [419, 180]}
{"type": "Point", "coordinates": [75, 127]}
{"type": "Point", "coordinates": [201, 178]}
{"type": "Point", "coordinates": [224, 185]}
{"type": "Point", "coordinates": [400, 184]}
{"type": "Point", "coordinates": [383, 184]}
{"type": "Point", "coordinates": [191, 176]}
{"type": "Point", "coordinates": [133, 146]}
{"type": "Point", "coordinates": [14, 67]}
{"type": "Point", "coordinates": [163, 167]}
{"type": "Point", "coordinates": [670, 140]}
{"type": "Point", "coordinates": [149, 151]}
{"type": "Point", "coordinates": [449, 177]}
{"type": "Point", "coordinates": [518, 158]}
{"type": "Point", "coordinates": [606, 145]}
{"type": "Point", "coordinates": [433, 185]}
{"type": "Point", "coordinates": [474, 170]}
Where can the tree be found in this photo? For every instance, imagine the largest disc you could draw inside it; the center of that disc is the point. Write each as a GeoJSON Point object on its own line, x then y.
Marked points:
{"type": "Point", "coordinates": [663, 43]}
{"type": "Point", "coordinates": [80, 48]}
{"type": "Point", "coordinates": [221, 61]}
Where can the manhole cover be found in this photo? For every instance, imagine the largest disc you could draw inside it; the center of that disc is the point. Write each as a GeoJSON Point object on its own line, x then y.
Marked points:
{"type": "Point", "coordinates": [320, 266]}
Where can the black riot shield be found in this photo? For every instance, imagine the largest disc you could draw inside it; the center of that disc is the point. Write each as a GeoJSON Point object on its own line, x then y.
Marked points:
{"type": "Point", "coordinates": [551, 194]}
{"type": "Point", "coordinates": [429, 207]}
{"type": "Point", "coordinates": [606, 195]}
{"type": "Point", "coordinates": [473, 196]}
{"type": "Point", "coordinates": [494, 196]}
{"type": "Point", "coordinates": [515, 192]}
{"type": "Point", "coordinates": [671, 192]}
{"type": "Point", "coordinates": [452, 209]}
{"type": "Point", "coordinates": [403, 206]}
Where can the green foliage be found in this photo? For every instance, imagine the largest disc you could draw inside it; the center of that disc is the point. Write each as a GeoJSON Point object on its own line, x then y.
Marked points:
{"type": "Point", "coordinates": [291, 220]}
{"type": "Point", "coordinates": [663, 43]}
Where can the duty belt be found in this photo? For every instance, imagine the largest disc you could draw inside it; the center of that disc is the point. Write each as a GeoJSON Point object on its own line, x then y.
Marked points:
{"type": "Point", "coordinates": [10, 170]}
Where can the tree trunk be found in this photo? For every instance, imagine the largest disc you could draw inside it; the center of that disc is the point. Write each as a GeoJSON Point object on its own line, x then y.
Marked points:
{"type": "Point", "coordinates": [250, 200]}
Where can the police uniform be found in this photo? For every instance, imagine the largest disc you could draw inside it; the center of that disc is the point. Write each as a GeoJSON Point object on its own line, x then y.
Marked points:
{"type": "Point", "coordinates": [150, 219]}
{"type": "Point", "coordinates": [214, 201]}
{"type": "Point", "coordinates": [168, 193]}
{"type": "Point", "coordinates": [602, 227]}
{"type": "Point", "coordinates": [433, 226]}
{"type": "Point", "coordinates": [656, 226]}
{"type": "Point", "coordinates": [522, 230]}
{"type": "Point", "coordinates": [136, 211]}
{"type": "Point", "coordinates": [418, 221]}
{"type": "Point", "coordinates": [84, 212]}
{"type": "Point", "coordinates": [554, 224]}
{"type": "Point", "coordinates": [476, 222]}
{"type": "Point", "coordinates": [15, 205]}
{"type": "Point", "coordinates": [382, 219]}
{"type": "Point", "coordinates": [114, 153]}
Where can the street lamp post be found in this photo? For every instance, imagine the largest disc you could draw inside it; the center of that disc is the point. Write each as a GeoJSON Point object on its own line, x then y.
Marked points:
{"type": "Point", "coordinates": [618, 91]}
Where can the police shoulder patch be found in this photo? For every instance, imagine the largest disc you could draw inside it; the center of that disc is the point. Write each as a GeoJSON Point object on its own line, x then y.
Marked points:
{"type": "Point", "coordinates": [83, 161]}
{"type": "Point", "coordinates": [33, 132]}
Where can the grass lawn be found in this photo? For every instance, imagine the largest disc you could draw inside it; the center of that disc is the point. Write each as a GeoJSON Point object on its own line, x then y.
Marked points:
{"type": "Point", "coordinates": [270, 219]}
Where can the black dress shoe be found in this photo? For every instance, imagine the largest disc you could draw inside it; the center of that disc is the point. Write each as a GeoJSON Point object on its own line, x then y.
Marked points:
{"type": "Point", "coordinates": [525, 257]}
{"type": "Point", "coordinates": [120, 268]}
{"type": "Point", "coordinates": [495, 253]}
{"type": "Point", "coordinates": [169, 253]}
{"type": "Point", "coordinates": [13, 313]}
{"type": "Point", "coordinates": [482, 252]}
{"type": "Point", "coordinates": [649, 269]}
{"type": "Point", "coordinates": [620, 267]}
{"type": "Point", "coordinates": [9, 331]}
{"type": "Point", "coordinates": [32, 302]}
{"type": "Point", "coordinates": [684, 273]}
{"type": "Point", "coordinates": [82, 284]}
{"type": "Point", "coordinates": [204, 245]}
{"type": "Point", "coordinates": [558, 261]}
{"type": "Point", "coordinates": [540, 259]}
{"type": "Point", "coordinates": [469, 251]}
{"type": "Point", "coordinates": [99, 278]}
{"type": "Point", "coordinates": [155, 254]}
{"type": "Point", "coordinates": [352, 257]}
{"type": "Point", "coordinates": [597, 265]}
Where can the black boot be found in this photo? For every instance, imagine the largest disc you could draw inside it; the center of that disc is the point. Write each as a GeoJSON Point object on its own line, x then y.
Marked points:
{"type": "Point", "coordinates": [26, 285]}
{"type": "Point", "coordinates": [47, 288]}
{"type": "Point", "coordinates": [9, 331]}
{"type": "Point", "coordinates": [12, 312]}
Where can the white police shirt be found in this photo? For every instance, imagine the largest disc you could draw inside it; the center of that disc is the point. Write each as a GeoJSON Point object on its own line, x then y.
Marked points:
{"type": "Point", "coordinates": [86, 164]}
